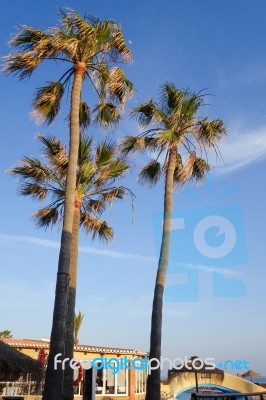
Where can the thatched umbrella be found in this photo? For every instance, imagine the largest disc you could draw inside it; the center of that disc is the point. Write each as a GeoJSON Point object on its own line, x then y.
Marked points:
{"type": "Point", "coordinates": [201, 368]}
{"type": "Point", "coordinates": [252, 374]}
{"type": "Point", "coordinates": [13, 364]}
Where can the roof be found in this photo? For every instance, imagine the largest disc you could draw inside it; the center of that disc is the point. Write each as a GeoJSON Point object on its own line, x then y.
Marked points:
{"type": "Point", "coordinates": [13, 363]}
{"type": "Point", "coordinates": [195, 364]}
{"type": "Point", "coordinates": [44, 344]}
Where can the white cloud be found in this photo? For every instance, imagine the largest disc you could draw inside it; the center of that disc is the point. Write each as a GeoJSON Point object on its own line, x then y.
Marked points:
{"type": "Point", "coordinates": [241, 149]}
{"type": "Point", "coordinates": [88, 250]}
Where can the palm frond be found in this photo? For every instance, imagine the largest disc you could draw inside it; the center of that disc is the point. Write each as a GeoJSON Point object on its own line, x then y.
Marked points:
{"type": "Point", "coordinates": [113, 171]}
{"type": "Point", "coordinates": [34, 190]}
{"type": "Point", "coordinates": [178, 172]}
{"type": "Point", "coordinates": [119, 193]}
{"type": "Point", "coordinates": [120, 88]}
{"type": "Point", "coordinates": [21, 65]}
{"type": "Point", "coordinates": [106, 114]}
{"type": "Point", "coordinates": [171, 98]}
{"type": "Point", "coordinates": [33, 169]}
{"type": "Point", "coordinates": [150, 174]}
{"type": "Point", "coordinates": [166, 137]}
{"type": "Point", "coordinates": [47, 102]}
{"type": "Point", "coordinates": [78, 319]}
{"type": "Point", "coordinates": [144, 113]}
{"type": "Point", "coordinates": [55, 153]}
{"type": "Point", "coordinates": [187, 169]}
{"type": "Point", "coordinates": [133, 144]}
{"type": "Point", "coordinates": [191, 103]}
{"type": "Point", "coordinates": [94, 206]}
{"type": "Point", "coordinates": [47, 216]}
{"type": "Point", "coordinates": [85, 27]}
{"type": "Point", "coordinates": [105, 153]}
{"type": "Point", "coordinates": [211, 132]}
{"type": "Point", "coordinates": [84, 115]}
{"type": "Point", "coordinates": [118, 48]}
{"type": "Point", "coordinates": [200, 169]}
{"type": "Point", "coordinates": [35, 46]}
{"type": "Point", "coordinates": [97, 227]}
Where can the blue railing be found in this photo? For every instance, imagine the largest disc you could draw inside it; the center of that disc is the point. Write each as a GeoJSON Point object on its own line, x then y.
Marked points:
{"type": "Point", "coordinates": [229, 396]}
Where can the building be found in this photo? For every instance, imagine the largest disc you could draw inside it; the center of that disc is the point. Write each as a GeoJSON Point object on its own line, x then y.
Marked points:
{"type": "Point", "coordinates": [124, 378]}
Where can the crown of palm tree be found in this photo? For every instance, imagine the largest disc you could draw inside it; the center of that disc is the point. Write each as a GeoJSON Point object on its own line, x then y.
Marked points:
{"type": "Point", "coordinates": [85, 43]}
{"type": "Point", "coordinates": [98, 169]}
{"type": "Point", "coordinates": [175, 125]}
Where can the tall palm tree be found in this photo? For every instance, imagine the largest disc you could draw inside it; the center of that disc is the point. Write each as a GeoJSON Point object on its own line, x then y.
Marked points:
{"type": "Point", "coordinates": [78, 319]}
{"type": "Point", "coordinates": [89, 47]}
{"type": "Point", "coordinates": [98, 169]}
{"type": "Point", "coordinates": [179, 139]}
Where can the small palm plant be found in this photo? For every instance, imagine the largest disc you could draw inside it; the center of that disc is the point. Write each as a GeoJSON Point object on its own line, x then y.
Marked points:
{"type": "Point", "coordinates": [77, 324]}
{"type": "Point", "coordinates": [5, 334]}
{"type": "Point", "coordinates": [90, 48]}
{"type": "Point", "coordinates": [98, 170]}
{"type": "Point", "coordinates": [179, 140]}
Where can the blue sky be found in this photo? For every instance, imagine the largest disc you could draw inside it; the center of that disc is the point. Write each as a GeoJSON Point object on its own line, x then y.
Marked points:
{"type": "Point", "coordinates": [215, 45]}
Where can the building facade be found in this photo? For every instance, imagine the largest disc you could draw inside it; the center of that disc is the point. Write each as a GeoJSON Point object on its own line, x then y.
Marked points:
{"type": "Point", "coordinates": [118, 373]}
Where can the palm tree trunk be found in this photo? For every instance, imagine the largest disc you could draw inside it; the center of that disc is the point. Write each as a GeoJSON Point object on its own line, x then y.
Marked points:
{"type": "Point", "coordinates": [68, 390]}
{"type": "Point", "coordinates": [154, 379]}
{"type": "Point", "coordinates": [53, 388]}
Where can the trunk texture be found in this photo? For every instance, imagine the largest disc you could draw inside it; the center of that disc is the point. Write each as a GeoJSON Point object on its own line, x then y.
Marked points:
{"type": "Point", "coordinates": [68, 391]}
{"type": "Point", "coordinates": [154, 379]}
{"type": "Point", "coordinates": [53, 388]}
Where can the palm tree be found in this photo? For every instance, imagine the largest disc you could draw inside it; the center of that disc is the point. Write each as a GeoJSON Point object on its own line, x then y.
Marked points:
{"type": "Point", "coordinates": [5, 334]}
{"type": "Point", "coordinates": [95, 189]}
{"type": "Point", "coordinates": [89, 46]}
{"type": "Point", "coordinates": [77, 324]}
{"type": "Point", "coordinates": [175, 134]}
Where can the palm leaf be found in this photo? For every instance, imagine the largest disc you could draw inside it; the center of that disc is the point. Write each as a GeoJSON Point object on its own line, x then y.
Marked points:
{"type": "Point", "coordinates": [32, 168]}
{"type": "Point", "coordinates": [171, 98]}
{"type": "Point", "coordinates": [150, 174]}
{"type": "Point", "coordinates": [34, 190]}
{"type": "Point", "coordinates": [200, 170]}
{"type": "Point", "coordinates": [132, 144]}
{"type": "Point", "coordinates": [105, 153]}
{"type": "Point", "coordinates": [84, 115]}
{"type": "Point", "coordinates": [55, 153]}
{"type": "Point", "coordinates": [211, 132]}
{"type": "Point", "coordinates": [96, 227]}
{"type": "Point", "coordinates": [118, 47]}
{"type": "Point", "coordinates": [120, 88]}
{"type": "Point", "coordinates": [144, 113]}
{"type": "Point", "coordinates": [47, 102]}
{"type": "Point", "coordinates": [106, 114]}
{"type": "Point", "coordinates": [47, 216]}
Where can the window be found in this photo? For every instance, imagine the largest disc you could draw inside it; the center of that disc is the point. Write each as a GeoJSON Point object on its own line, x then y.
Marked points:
{"type": "Point", "coordinates": [109, 383]}
{"type": "Point", "coordinates": [140, 381]}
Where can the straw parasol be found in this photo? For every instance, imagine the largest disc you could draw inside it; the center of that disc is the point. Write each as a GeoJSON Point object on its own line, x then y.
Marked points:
{"type": "Point", "coordinates": [13, 364]}
{"type": "Point", "coordinates": [200, 368]}
{"type": "Point", "coordinates": [252, 374]}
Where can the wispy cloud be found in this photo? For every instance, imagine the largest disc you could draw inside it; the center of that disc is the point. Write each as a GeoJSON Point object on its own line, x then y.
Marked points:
{"type": "Point", "coordinates": [110, 253]}
{"type": "Point", "coordinates": [83, 249]}
{"type": "Point", "coordinates": [241, 149]}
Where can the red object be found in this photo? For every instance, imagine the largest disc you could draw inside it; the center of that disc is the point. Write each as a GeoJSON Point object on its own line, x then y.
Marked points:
{"type": "Point", "coordinates": [80, 374]}
{"type": "Point", "coordinates": [42, 356]}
